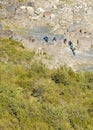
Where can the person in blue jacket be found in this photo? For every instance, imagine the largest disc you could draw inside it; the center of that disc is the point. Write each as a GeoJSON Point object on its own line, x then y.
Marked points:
{"type": "Point", "coordinates": [46, 38]}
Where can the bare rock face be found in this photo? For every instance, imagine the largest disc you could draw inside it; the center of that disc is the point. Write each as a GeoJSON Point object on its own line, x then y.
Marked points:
{"type": "Point", "coordinates": [25, 10]}
{"type": "Point", "coordinates": [63, 16]}
{"type": "Point", "coordinates": [72, 19]}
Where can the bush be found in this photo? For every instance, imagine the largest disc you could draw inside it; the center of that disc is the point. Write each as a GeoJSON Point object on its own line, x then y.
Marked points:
{"type": "Point", "coordinates": [60, 75]}
{"type": "Point", "coordinates": [32, 97]}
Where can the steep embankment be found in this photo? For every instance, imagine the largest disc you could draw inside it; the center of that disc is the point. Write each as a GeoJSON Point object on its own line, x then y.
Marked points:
{"type": "Point", "coordinates": [32, 97]}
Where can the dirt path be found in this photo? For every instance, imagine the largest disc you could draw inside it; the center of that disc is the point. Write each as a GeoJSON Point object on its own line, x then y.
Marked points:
{"type": "Point", "coordinates": [61, 54]}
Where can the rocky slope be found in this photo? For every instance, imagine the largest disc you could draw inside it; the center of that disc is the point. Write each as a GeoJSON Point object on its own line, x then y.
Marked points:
{"type": "Point", "coordinates": [73, 20]}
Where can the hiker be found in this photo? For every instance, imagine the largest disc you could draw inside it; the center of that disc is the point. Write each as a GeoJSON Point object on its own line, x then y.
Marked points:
{"type": "Point", "coordinates": [70, 43]}
{"type": "Point", "coordinates": [65, 40]}
{"type": "Point", "coordinates": [80, 31]}
{"type": "Point", "coordinates": [46, 38]}
{"type": "Point", "coordinates": [73, 50]}
{"type": "Point", "coordinates": [71, 47]}
{"type": "Point", "coordinates": [54, 39]}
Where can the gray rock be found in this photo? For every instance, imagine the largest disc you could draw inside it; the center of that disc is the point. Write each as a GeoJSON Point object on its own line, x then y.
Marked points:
{"type": "Point", "coordinates": [6, 34]}
{"type": "Point", "coordinates": [17, 37]}
{"type": "Point", "coordinates": [73, 27]}
{"type": "Point", "coordinates": [11, 9]}
{"type": "Point", "coordinates": [30, 4]}
{"type": "Point", "coordinates": [30, 10]}
{"type": "Point", "coordinates": [25, 10]}
{"type": "Point", "coordinates": [39, 11]}
{"type": "Point", "coordinates": [3, 13]}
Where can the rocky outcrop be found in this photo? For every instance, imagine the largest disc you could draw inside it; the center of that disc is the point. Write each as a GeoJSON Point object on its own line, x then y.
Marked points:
{"type": "Point", "coordinates": [70, 19]}
{"type": "Point", "coordinates": [65, 17]}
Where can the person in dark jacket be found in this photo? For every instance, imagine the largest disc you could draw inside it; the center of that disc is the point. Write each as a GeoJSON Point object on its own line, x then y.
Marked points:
{"type": "Point", "coordinates": [65, 41]}
{"type": "Point", "coordinates": [70, 43]}
{"type": "Point", "coordinates": [71, 47]}
{"type": "Point", "coordinates": [73, 51]}
{"type": "Point", "coordinates": [46, 38]}
{"type": "Point", "coordinates": [54, 39]}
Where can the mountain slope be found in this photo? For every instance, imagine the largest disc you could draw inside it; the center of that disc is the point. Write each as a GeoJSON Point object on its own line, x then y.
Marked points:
{"type": "Point", "coordinates": [32, 97]}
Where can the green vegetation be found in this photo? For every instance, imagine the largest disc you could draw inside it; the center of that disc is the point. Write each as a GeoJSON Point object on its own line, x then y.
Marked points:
{"type": "Point", "coordinates": [21, 0]}
{"type": "Point", "coordinates": [32, 97]}
{"type": "Point", "coordinates": [7, 27]}
{"type": "Point", "coordinates": [0, 7]}
{"type": "Point", "coordinates": [92, 46]}
{"type": "Point", "coordinates": [67, 1]}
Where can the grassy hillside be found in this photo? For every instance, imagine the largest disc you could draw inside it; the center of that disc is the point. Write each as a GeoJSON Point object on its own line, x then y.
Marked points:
{"type": "Point", "coordinates": [32, 97]}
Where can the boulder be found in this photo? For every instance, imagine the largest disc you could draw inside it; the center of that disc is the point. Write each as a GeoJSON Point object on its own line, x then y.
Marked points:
{"type": "Point", "coordinates": [47, 14]}
{"type": "Point", "coordinates": [24, 11]}
{"type": "Point", "coordinates": [39, 11]}
{"type": "Point", "coordinates": [30, 10]}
